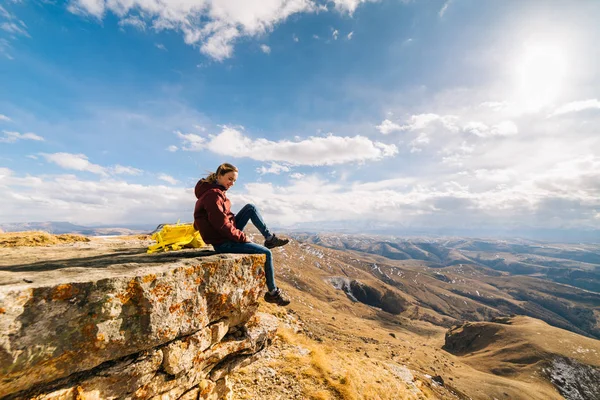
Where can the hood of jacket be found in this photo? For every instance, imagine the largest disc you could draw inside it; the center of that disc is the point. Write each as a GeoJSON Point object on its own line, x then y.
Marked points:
{"type": "Point", "coordinates": [202, 187]}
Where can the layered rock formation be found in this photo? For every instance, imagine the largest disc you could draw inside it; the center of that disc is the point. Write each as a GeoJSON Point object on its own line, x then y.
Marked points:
{"type": "Point", "coordinates": [389, 301]}
{"type": "Point", "coordinates": [164, 330]}
{"type": "Point", "coordinates": [521, 347]}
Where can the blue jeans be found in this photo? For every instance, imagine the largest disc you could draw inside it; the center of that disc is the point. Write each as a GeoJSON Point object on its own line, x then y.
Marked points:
{"type": "Point", "coordinates": [250, 212]}
{"type": "Point", "coordinates": [247, 213]}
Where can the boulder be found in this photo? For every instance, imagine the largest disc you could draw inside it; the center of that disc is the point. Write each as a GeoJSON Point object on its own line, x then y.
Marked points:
{"type": "Point", "coordinates": [121, 326]}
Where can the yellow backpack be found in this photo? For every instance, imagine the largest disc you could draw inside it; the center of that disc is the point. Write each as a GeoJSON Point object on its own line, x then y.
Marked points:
{"type": "Point", "coordinates": [175, 237]}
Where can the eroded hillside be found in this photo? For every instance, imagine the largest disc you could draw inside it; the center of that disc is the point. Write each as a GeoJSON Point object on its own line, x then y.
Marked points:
{"type": "Point", "coordinates": [362, 326]}
{"type": "Point", "coordinates": [576, 265]}
{"type": "Point", "coordinates": [454, 280]}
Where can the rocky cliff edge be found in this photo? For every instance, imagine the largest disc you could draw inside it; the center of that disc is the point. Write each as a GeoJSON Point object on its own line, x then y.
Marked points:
{"type": "Point", "coordinates": [163, 329]}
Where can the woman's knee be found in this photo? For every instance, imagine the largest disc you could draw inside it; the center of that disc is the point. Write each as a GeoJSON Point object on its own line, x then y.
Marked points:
{"type": "Point", "coordinates": [267, 252]}
{"type": "Point", "coordinates": [250, 206]}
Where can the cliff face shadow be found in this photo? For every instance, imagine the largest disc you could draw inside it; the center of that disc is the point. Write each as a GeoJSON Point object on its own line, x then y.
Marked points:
{"type": "Point", "coordinates": [121, 256]}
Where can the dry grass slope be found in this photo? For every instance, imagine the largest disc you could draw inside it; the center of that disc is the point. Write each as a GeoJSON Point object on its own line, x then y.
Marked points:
{"type": "Point", "coordinates": [329, 347]}
{"type": "Point", "coordinates": [302, 365]}
{"type": "Point", "coordinates": [37, 238]}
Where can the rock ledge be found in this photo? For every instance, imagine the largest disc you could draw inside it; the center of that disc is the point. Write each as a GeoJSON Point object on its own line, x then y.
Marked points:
{"type": "Point", "coordinates": [169, 331]}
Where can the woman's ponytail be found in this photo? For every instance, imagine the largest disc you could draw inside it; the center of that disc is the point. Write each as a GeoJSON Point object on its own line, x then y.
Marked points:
{"type": "Point", "coordinates": [222, 170]}
{"type": "Point", "coordinates": [211, 178]}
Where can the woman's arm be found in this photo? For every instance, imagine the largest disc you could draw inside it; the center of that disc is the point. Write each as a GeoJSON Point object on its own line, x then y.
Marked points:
{"type": "Point", "coordinates": [214, 205]}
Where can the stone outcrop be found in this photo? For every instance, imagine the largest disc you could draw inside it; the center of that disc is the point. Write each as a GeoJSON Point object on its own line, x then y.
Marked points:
{"type": "Point", "coordinates": [168, 330]}
{"type": "Point", "coordinates": [389, 301]}
{"type": "Point", "coordinates": [469, 337]}
{"type": "Point", "coordinates": [573, 379]}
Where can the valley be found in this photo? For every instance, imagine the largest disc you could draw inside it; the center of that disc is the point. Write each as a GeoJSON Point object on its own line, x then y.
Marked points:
{"type": "Point", "coordinates": [404, 319]}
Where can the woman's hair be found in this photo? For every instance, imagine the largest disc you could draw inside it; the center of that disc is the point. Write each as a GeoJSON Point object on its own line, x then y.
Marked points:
{"type": "Point", "coordinates": [222, 170]}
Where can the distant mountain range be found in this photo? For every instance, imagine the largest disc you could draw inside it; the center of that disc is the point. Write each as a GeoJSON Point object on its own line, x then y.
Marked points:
{"type": "Point", "coordinates": [59, 227]}
{"type": "Point", "coordinates": [333, 227]}
{"type": "Point", "coordinates": [577, 265]}
{"type": "Point", "coordinates": [562, 235]}
{"type": "Point", "coordinates": [457, 279]}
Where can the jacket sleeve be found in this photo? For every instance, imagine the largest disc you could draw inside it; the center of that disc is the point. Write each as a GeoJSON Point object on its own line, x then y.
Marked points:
{"type": "Point", "coordinates": [215, 208]}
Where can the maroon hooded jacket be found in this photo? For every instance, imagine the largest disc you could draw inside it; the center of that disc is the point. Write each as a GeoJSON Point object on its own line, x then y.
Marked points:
{"type": "Point", "coordinates": [213, 216]}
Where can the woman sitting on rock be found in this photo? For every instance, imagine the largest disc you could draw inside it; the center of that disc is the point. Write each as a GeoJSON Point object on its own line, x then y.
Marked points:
{"type": "Point", "coordinates": [221, 228]}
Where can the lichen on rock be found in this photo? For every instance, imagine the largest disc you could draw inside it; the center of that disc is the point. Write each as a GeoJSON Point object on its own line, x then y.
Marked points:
{"type": "Point", "coordinates": [157, 330]}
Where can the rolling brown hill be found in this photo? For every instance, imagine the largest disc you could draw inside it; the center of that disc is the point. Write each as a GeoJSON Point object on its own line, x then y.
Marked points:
{"type": "Point", "coordinates": [430, 299]}
{"type": "Point", "coordinates": [450, 285]}
{"type": "Point", "coordinates": [363, 326]}
{"type": "Point", "coordinates": [526, 349]}
{"type": "Point", "coordinates": [576, 265]}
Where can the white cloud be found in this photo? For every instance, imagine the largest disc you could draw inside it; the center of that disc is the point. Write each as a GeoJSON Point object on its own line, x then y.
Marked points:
{"type": "Point", "coordinates": [388, 126]}
{"type": "Point", "coordinates": [273, 169]}
{"type": "Point", "coordinates": [167, 178]}
{"type": "Point", "coordinates": [495, 105]}
{"type": "Point", "coordinates": [349, 36]}
{"type": "Point", "coordinates": [94, 8]}
{"type": "Point", "coordinates": [387, 184]}
{"type": "Point", "coordinates": [4, 13]}
{"type": "Point", "coordinates": [4, 47]}
{"type": "Point", "coordinates": [89, 202]}
{"type": "Point", "coordinates": [443, 201]}
{"type": "Point", "coordinates": [514, 169]}
{"type": "Point", "coordinates": [191, 141]}
{"type": "Point", "coordinates": [15, 29]}
{"type": "Point", "coordinates": [444, 8]}
{"type": "Point", "coordinates": [122, 170]}
{"type": "Point", "coordinates": [4, 118]}
{"type": "Point", "coordinates": [504, 128]}
{"type": "Point", "coordinates": [172, 148]}
{"type": "Point", "coordinates": [77, 162]}
{"type": "Point", "coordinates": [161, 46]}
{"type": "Point", "coordinates": [576, 106]}
{"type": "Point", "coordinates": [316, 37]}
{"type": "Point", "coordinates": [465, 148]}
{"type": "Point", "coordinates": [11, 137]}
{"type": "Point", "coordinates": [476, 128]}
{"type": "Point", "coordinates": [417, 144]}
{"type": "Point", "coordinates": [134, 22]}
{"type": "Point", "coordinates": [5, 173]}
{"type": "Point", "coordinates": [456, 159]}
{"type": "Point", "coordinates": [335, 34]}
{"type": "Point", "coordinates": [80, 162]}
{"type": "Point", "coordinates": [265, 49]}
{"type": "Point", "coordinates": [420, 121]}
{"type": "Point", "coordinates": [212, 25]}
{"type": "Point", "coordinates": [314, 151]}
{"type": "Point", "coordinates": [295, 38]}
{"type": "Point", "coordinates": [564, 195]}
{"type": "Point", "coordinates": [496, 175]}
{"type": "Point", "coordinates": [218, 46]}
{"type": "Point", "coordinates": [349, 6]}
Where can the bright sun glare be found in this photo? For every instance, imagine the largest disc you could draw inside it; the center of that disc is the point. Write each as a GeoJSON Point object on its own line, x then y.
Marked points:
{"type": "Point", "coordinates": [541, 71]}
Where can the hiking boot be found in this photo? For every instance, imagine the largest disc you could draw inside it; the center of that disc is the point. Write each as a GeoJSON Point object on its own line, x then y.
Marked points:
{"type": "Point", "coordinates": [275, 242]}
{"type": "Point", "coordinates": [279, 298]}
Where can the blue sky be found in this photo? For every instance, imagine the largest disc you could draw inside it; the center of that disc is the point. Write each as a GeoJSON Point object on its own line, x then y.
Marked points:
{"type": "Point", "coordinates": [409, 114]}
